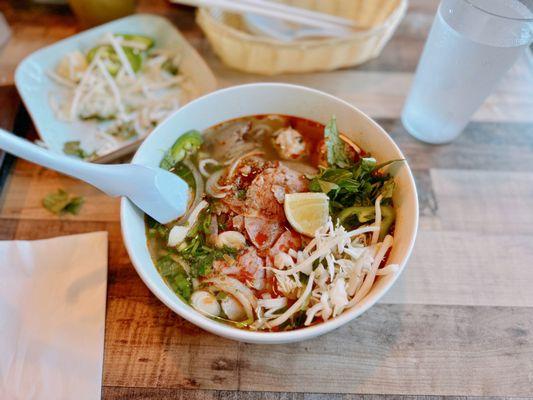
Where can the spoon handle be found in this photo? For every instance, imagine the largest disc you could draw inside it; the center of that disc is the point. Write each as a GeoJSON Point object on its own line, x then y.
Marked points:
{"type": "Point", "coordinates": [105, 177]}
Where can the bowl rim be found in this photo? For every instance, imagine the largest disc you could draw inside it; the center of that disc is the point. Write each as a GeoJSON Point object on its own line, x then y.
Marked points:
{"type": "Point", "coordinates": [248, 336]}
{"type": "Point", "coordinates": [392, 19]}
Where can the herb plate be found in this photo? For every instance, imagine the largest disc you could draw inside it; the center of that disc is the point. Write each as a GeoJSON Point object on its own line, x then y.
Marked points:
{"type": "Point", "coordinates": [36, 87]}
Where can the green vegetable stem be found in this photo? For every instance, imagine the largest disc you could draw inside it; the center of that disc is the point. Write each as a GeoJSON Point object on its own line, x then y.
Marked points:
{"type": "Point", "coordinates": [367, 214]}
{"type": "Point", "coordinates": [187, 144]}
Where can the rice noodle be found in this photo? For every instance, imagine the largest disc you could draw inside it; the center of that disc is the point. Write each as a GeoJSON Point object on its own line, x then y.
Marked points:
{"type": "Point", "coordinates": [118, 49]}
{"type": "Point", "coordinates": [360, 231]}
{"type": "Point", "coordinates": [350, 143]}
{"type": "Point", "coordinates": [238, 151]}
{"type": "Point", "coordinates": [371, 276]}
{"type": "Point", "coordinates": [377, 223]}
{"type": "Point", "coordinates": [240, 286]}
{"type": "Point", "coordinates": [213, 230]}
{"type": "Point", "coordinates": [59, 79]}
{"type": "Point", "coordinates": [178, 232]}
{"type": "Point", "coordinates": [237, 289]}
{"type": "Point", "coordinates": [297, 304]}
{"type": "Point", "coordinates": [308, 262]}
{"type": "Point", "coordinates": [193, 217]}
{"type": "Point", "coordinates": [389, 269]}
{"type": "Point", "coordinates": [81, 87]}
{"type": "Point", "coordinates": [311, 312]}
{"type": "Point", "coordinates": [258, 131]}
{"type": "Point", "coordinates": [112, 85]}
{"type": "Point", "coordinates": [322, 251]}
{"type": "Point", "coordinates": [203, 163]}
{"type": "Point", "coordinates": [199, 188]}
{"type": "Point", "coordinates": [277, 302]}
{"type": "Point", "coordinates": [212, 187]}
{"type": "Point", "coordinates": [236, 163]}
{"type": "Point", "coordinates": [131, 43]}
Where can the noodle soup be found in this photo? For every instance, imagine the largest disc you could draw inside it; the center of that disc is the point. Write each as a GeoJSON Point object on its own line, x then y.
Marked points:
{"type": "Point", "coordinates": [289, 223]}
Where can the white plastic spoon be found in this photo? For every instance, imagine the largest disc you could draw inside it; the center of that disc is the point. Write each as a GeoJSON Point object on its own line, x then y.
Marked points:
{"type": "Point", "coordinates": [159, 193]}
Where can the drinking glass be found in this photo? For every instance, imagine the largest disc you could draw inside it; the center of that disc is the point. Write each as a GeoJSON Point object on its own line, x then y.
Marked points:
{"type": "Point", "coordinates": [5, 32]}
{"type": "Point", "coordinates": [471, 45]}
{"type": "Point", "coordinates": [96, 12]}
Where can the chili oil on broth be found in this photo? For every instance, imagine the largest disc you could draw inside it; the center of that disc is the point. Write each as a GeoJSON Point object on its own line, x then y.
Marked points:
{"type": "Point", "coordinates": [313, 133]}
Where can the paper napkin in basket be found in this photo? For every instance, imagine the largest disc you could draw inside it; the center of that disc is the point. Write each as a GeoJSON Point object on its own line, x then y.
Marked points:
{"type": "Point", "coordinates": [52, 317]}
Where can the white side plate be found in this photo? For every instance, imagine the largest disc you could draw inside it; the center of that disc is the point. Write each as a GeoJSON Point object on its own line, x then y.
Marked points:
{"type": "Point", "coordinates": [35, 86]}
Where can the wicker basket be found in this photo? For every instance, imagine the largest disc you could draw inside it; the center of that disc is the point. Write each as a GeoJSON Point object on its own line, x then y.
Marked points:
{"type": "Point", "coordinates": [244, 51]}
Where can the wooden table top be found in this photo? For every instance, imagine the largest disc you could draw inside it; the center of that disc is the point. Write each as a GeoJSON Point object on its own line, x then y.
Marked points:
{"type": "Point", "coordinates": [459, 322]}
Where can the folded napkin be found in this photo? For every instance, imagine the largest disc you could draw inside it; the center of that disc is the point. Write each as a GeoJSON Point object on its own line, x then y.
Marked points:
{"type": "Point", "coordinates": [52, 317]}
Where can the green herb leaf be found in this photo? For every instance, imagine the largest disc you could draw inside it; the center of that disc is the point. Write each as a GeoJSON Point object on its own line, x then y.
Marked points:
{"type": "Point", "coordinates": [73, 148]}
{"type": "Point", "coordinates": [196, 251]}
{"type": "Point", "coordinates": [123, 131]}
{"type": "Point", "coordinates": [157, 229]}
{"type": "Point", "coordinates": [185, 173]}
{"type": "Point", "coordinates": [365, 166]}
{"type": "Point", "coordinates": [241, 194]}
{"type": "Point", "coordinates": [61, 202]}
{"type": "Point", "coordinates": [182, 285]}
{"type": "Point", "coordinates": [351, 185]}
{"type": "Point", "coordinates": [175, 275]}
{"type": "Point", "coordinates": [336, 148]}
{"type": "Point", "coordinates": [97, 117]}
{"type": "Point", "coordinates": [167, 266]}
{"type": "Point", "coordinates": [319, 185]}
{"type": "Point", "coordinates": [108, 55]}
{"type": "Point", "coordinates": [134, 57]}
{"type": "Point", "coordinates": [74, 205]}
{"type": "Point", "coordinates": [387, 189]}
{"type": "Point", "coordinates": [56, 202]}
{"type": "Point", "coordinates": [383, 165]}
{"type": "Point", "coordinates": [354, 190]}
{"type": "Point", "coordinates": [170, 67]}
{"type": "Point", "coordinates": [336, 175]}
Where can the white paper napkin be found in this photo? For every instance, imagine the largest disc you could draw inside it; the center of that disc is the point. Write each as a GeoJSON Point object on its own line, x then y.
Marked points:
{"type": "Point", "coordinates": [52, 317]}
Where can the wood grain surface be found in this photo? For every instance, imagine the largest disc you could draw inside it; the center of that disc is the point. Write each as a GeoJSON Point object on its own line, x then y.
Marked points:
{"type": "Point", "coordinates": [459, 322]}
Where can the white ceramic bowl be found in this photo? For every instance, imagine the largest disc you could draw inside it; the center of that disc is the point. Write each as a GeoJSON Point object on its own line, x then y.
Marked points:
{"type": "Point", "coordinates": [272, 98]}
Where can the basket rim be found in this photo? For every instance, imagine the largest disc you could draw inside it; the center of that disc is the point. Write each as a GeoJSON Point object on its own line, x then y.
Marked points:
{"type": "Point", "coordinates": [394, 17]}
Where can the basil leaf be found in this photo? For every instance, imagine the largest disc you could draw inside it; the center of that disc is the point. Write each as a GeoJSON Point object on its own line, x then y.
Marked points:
{"type": "Point", "coordinates": [336, 175]}
{"type": "Point", "coordinates": [365, 166]}
{"type": "Point", "coordinates": [327, 187]}
{"type": "Point", "coordinates": [383, 165]}
{"type": "Point", "coordinates": [185, 173]}
{"type": "Point", "coordinates": [336, 148]}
